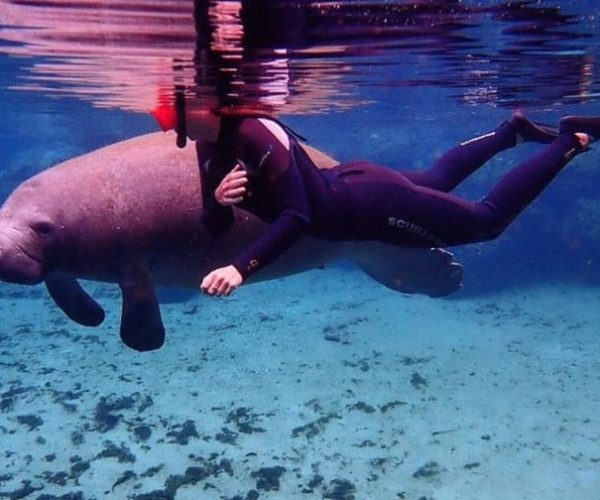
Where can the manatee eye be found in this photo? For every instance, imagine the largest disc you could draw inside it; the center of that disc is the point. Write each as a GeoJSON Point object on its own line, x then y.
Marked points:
{"type": "Point", "coordinates": [42, 228]}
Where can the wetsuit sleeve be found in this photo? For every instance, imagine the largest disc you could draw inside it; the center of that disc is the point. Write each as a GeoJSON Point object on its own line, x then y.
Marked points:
{"type": "Point", "coordinates": [216, 218]}
{"type": "Point", "coordinates": [283, 190]}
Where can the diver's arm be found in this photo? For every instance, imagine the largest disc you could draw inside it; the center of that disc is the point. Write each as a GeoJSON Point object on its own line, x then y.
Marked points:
{"type": "Point", "coordinates": [284, 189]}
{"type": "Point", "coordinates": [279, 236]}
{"type": "Point", "coordinates": [268, 150]}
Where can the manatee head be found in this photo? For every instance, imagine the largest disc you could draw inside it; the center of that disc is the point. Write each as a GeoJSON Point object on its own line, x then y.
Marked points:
{"type": "Point", "coordinates": [29, 237]}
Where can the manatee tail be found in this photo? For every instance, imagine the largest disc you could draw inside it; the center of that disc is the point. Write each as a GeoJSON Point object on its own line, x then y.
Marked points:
{"type": "Point", "coordinates": [430, 271]}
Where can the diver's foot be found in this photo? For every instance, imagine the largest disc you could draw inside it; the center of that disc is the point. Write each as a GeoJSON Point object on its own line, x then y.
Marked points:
{"type": "Point", "coordinates": [589, 125]}
{"type": "Point", "coordinates": [528, 131]}
{"type": "Point", "coordinates": [583, 139]}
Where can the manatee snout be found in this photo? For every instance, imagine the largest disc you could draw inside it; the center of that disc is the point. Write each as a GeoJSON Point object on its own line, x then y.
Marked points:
{"type": "Point", "coordinates": [17, 265]}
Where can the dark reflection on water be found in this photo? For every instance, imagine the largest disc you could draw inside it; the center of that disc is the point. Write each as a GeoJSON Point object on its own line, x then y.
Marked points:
{"type": "Point", "coordinates": [299, 57]}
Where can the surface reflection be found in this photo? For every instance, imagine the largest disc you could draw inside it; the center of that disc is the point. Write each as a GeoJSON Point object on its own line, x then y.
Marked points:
{"type": "Point", "coordinates": [298, 57]}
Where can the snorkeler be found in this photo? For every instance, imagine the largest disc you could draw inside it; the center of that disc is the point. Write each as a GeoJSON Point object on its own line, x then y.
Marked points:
{"type": "Point", "coordinates": [258, 164]}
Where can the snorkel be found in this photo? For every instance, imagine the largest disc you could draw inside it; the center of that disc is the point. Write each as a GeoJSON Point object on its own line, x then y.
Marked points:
{"type": "Point", "coordinates": [172, 117]}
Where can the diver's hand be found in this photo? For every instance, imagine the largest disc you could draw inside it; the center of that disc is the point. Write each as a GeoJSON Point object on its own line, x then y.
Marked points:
{"type": "Point", "coordinates": [232, 188]}
{"type": "Point", "coordinates": [222, 281]}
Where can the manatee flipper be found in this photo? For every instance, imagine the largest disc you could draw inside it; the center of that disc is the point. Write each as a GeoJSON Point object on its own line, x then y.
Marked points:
{"type": "Point", "coordinates": [141, 324]}
{"type": "Point", "coordinates": [431, 271]}
{"type": "Point", "coordinates": [74, 300]}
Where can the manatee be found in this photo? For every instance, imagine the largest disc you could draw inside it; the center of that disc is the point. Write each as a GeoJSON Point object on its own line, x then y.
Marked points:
{"type": "Point", "coordinates": [130, 213]}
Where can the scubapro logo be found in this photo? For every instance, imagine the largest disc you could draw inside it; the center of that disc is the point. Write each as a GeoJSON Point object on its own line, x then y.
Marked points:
{"type": "Point", "coordinates": [402, 224]}
{"type": "Point", "coordinates": [414, 229]}
{"type": "Point", "coordinates": [392, 221]}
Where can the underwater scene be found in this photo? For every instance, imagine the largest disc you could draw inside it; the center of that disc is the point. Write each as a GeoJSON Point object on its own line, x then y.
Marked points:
{"type": "Point", "coordinates": [452, 355]}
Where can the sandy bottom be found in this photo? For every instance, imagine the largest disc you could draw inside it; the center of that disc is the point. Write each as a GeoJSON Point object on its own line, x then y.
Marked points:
{"type": "Point", "coordinates": [324, 385]}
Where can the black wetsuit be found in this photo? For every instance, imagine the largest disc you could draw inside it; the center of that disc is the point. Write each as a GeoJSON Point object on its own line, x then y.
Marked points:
{"type": "Point", "coordinates": [364, 201]}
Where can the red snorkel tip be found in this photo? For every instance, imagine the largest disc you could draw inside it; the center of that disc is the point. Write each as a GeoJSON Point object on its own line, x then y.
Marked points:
{"type": "Point", "coordinates": [165, 116]}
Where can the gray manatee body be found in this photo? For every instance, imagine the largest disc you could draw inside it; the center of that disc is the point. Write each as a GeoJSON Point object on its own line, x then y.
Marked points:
{"type": "Point", "coordinates": [130, 214]}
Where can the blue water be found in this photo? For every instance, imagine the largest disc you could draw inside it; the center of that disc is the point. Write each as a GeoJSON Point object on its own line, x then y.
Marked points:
{"type": "Point", "coordinates": [327, 385]}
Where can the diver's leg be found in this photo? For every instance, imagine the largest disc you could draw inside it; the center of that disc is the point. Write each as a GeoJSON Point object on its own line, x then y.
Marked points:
{"type": "Point", "coordinates": [461, 161]}
{"type": "Point", "coordinates": [519, 187]}
{"type": "Point", "coordinates": [392, 208]}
